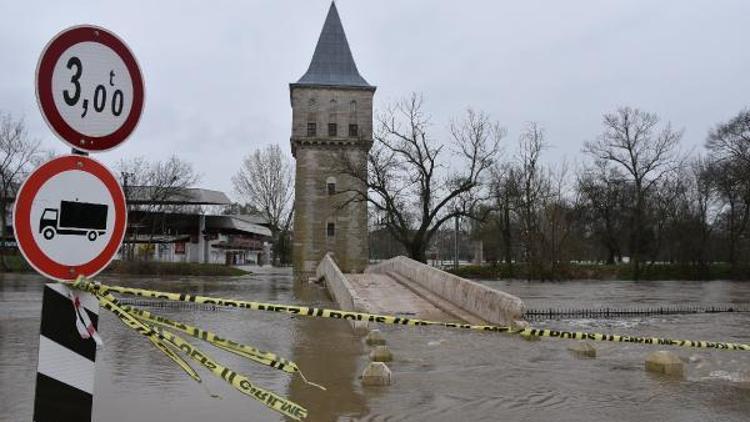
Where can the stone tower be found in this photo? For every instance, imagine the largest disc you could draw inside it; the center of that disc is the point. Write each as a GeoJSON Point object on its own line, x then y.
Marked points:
{"type": "Point", "coordinates": [331, 119]}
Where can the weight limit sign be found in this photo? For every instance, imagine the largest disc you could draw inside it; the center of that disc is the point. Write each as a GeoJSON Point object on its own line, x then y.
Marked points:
{"type": "Point", "coordinates": [70, 217]}
{"type": "Point", "coordinates": [89, 88]}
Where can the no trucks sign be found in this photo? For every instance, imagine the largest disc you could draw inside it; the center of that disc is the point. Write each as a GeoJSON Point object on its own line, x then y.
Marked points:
{"type": "Point", "coordinates": [89, 88]}
{"type": "Point", "coordinates": [70, 217]}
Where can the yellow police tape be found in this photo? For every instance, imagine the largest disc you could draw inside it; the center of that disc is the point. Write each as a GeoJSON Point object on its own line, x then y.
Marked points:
{"type": "Point", "coordinates": [238, 381]}
{"type": "Point", "coordinates": [389, 319]}
{"type": "Point", "coordinates": [259, 356]}
{"type": "Point", "coordinates": [108, 302]}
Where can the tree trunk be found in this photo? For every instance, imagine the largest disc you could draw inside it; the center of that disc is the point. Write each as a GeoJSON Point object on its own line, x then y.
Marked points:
{"type": "Point", "coordinates": [732, 237]}
{"type": "Point", "coordinates": [3, 221]}
{"type": "Point", "coordinates": [507, 239]}
{"type": "Point", "coordinates": [635, 249]}
{"type": "Point", "coordinates": [417, 251]}
{"type": "Point", "coordinates": [610, 255]}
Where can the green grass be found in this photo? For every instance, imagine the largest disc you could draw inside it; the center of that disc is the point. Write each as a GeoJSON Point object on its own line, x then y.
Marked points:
{"type": "Point", "coordinates": [16, 263]}
{"type": "Point", "coordinates": [717, 271]}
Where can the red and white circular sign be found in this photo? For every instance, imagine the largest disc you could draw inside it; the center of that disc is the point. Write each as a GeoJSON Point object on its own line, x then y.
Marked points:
{"type": "Point", "coordinates": [70, 217]}
{"type": "Point", "coordinates": [89, 88]}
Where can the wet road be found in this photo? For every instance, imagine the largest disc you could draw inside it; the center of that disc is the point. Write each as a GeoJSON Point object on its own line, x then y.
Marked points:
{"type": "Point", "coordinates": [439, 375]}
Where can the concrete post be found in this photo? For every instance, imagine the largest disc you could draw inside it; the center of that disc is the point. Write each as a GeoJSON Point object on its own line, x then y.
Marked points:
{"type": "Point", "coordinates": [478, 252]}
{"type": "Point", "coordinates": [202, 242]}
{"type": "Point", "coordinates": [455, 246]}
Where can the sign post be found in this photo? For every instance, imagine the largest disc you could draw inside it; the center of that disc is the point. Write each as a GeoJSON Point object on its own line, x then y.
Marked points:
{"type": "Point", "coordinates": [70, 216]}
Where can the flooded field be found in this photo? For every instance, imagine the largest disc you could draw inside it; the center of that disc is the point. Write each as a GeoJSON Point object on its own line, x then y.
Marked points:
{"type": "Point", "coordinates": [439, 374]}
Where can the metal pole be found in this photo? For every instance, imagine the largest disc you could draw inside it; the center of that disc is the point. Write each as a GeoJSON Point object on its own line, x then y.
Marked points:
{"type": "Point", "coordinates": [455, 246]}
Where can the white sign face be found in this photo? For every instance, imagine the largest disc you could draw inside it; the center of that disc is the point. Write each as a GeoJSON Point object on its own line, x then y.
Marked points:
{"type": "Point", "coordinates": [69, 218]}
{"type": "Point", "coordinates": [92, 89]}
{"type": "Point", "coordinates": [89, 88]}
{"type": "Point", "coordinates": [72, 217]}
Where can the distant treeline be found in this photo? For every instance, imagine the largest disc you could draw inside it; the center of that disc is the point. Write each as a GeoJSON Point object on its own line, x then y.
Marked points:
{"type": "Point", "coordinates": [569, 271]}
{"type": "Point", "coordinates": [636, 198]}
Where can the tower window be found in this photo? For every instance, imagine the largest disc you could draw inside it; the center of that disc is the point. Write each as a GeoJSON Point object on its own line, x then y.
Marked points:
{"type": "Point", "coordinates": [331, 185]}
{"type": "Point", "coordinates": [353, 131]}
{"type": "Point", "coordinates": [312, 129]}
{"type": "Point", "coordinates": [331, 229]}
{"type": "Point", "coordinates": [332, 129]}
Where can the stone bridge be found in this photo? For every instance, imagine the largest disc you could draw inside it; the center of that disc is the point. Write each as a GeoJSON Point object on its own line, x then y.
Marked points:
{"type": "Point", "coordinates": [402, 286]}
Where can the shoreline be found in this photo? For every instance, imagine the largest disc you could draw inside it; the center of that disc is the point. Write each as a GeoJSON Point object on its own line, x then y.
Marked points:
{"type": "Point", "coordinates": [17, 264]}
{"type": "Point", "coordinates": [604, 272]}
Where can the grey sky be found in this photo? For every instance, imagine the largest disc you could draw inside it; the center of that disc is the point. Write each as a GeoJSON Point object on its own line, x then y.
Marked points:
{"type": "Point", "coordinates": [217, 72]}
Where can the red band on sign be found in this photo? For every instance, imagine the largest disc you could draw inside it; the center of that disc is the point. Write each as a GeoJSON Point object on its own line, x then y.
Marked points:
{"type": "Point", "coordinates": [45, 69]}
{"type": "Point", "coordinates": [22, 218]}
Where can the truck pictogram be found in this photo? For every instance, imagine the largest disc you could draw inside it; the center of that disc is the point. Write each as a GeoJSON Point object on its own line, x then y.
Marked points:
{"type": "Point", "coordinates": [74, 218]}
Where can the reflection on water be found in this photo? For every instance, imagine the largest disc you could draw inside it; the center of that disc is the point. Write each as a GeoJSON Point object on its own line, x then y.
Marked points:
{"type": "Point", "coordinates": [328, 354]}
{"type": "Point", "coordinates": [439, 374]}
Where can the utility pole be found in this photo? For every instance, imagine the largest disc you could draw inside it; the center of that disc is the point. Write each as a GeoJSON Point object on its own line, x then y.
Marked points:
{"type": "Point", "coordinates": [455, 246]}
{"type": "Point", "coordinates": [127, 250]}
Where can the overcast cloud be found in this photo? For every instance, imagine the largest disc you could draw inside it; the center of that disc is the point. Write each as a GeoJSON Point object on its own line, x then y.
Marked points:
{"type": "Point", "coordinates": [217, 72]}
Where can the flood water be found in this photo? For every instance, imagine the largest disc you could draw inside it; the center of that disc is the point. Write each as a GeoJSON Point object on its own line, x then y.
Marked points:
{"type": "Point", "coordinates": [439, 374]}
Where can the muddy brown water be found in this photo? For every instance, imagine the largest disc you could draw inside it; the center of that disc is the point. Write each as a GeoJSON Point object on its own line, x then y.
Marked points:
{"type": "Point", "coordinates": [439, 374]}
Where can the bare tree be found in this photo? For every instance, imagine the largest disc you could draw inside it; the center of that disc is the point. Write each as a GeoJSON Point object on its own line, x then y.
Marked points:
{"type": "Point", "coordinates": [645, 153]}
{"type": "Point", "coordinates": [533, 186]}
{"type": "Point", "coordinates": [729, 147]}
{"type": "Point", "coordinates": [265, 182]}
{"type": "Point", "coordinates": [605, 194]}
{"type": "Point", "coordinates": [410, 180]}
{"type": "Point", "coordinates": [733, 188]}
{"type": "Point", "coordinates": [504, 188]}
{"type": "Point", "coordinates": [18, 154]}
{"type": "Point", "coordinates": [559, 212]}
{"type": "Point", "coordinates": [731, 140]}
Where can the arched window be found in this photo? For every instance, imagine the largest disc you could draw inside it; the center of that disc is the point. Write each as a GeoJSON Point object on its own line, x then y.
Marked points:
{"type": "Point", "coordinates": [331, 185]}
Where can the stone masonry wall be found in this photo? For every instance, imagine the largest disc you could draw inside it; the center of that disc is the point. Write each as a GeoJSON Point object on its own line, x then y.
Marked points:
{"type": "Point", "coordinates": [319, 161]}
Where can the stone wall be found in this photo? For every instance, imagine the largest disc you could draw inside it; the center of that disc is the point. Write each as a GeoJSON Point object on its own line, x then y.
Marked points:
{"type": "Point", "coordinates": [324, 105]}
{"type": "Point", "coordinates": [337, 285]}
{"type": "Point", "coordinates": [491, 305]}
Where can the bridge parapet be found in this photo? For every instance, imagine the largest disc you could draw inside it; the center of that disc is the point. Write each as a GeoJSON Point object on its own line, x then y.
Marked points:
{"type": "Point", "coordinates": [338, 286]}
{"type": "Point", "coordinates": [491, 305]}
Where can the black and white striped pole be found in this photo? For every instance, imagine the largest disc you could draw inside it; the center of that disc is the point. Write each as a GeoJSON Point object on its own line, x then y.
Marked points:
{"type": "Point", "coordinates": [65, 373]}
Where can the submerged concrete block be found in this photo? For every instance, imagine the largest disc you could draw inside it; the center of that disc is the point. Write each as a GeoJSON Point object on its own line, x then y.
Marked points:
{"type": "Point", "coordinates": [381, 354]}
{"type": "Point", "coordinates": [583, 349]}
{"type": "Point", "coordinates": [531, 338]}
{"type": "Point", "coordinates": [664, 362]}
{"type": "Point", "coordinates": [360, 328]}
{"type": "Point", "coordinates": [745, 379]}
{"type": "Point", "coordinates": [376, 374]}
{"type": "Point", "coordinates": [375, 338]}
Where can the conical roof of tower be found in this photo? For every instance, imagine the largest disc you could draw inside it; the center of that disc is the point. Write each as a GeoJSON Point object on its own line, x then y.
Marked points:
{"type": "Point", "coordinates": [332, 63]}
